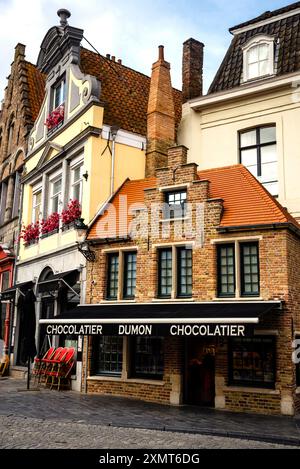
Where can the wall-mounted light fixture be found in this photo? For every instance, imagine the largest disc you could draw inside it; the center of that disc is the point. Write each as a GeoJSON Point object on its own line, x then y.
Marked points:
{"type": "Point", "coordinates": [85, 175]}
{"type": "Point", "coordinates": [82, 244]}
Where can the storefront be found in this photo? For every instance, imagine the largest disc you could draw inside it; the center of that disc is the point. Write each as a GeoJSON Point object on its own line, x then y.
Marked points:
{"type": "Point", "coordinates": [6, 275]}
{"type": "Point", "coordinates": [173, 353]}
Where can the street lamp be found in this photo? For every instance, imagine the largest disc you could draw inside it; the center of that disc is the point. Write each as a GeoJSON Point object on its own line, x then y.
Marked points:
{"type": "Point", "coordinates": [82, 244]}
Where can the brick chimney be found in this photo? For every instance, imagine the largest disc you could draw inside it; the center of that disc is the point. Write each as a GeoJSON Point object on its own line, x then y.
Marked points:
{"type": "Point", "coordinates": [192, 69]}
{"type": "Point", "coordinates": [160, 115]}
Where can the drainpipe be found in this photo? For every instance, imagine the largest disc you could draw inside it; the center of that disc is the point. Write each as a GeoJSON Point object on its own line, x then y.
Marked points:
{"type": "Point", "coordinates": [114, 131]}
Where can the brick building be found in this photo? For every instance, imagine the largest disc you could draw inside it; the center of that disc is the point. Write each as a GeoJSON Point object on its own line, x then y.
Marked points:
{"type": "Point", "coordinates": [20, 106]}
{"type": "Point", "coordinates": [193, 295]}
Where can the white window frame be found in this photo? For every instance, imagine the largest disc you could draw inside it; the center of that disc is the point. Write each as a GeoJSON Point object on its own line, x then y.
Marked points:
{"type": "Point", "coordinates": [76, 163]}
{"type": "Point", "coordinates": [52, 179]}
{"type": "Point", "coordinates": [61, 85]}
{"type": "Point", "coordinates": [35, 191]}
{"type": "Point", "coordinates": [255, 42]}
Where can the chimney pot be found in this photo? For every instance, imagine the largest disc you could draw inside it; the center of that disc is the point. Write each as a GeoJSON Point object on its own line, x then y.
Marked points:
{"type": "Point", "coordinates": [64, 15]}
{"type": "Point", "coordinates": [192, 69]}
{"type": "Point", "coordinates": [108, 56]}
{"type": "Point", "coordinates": [161, 53]}
{"type": "Point", "coordinates": [120, 61]}
{"type": "Point", "coordinates": [113, 58]}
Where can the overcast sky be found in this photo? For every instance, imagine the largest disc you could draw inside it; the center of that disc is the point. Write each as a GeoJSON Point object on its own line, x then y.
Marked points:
{"type": "Point", "coordinates": [130, 29]}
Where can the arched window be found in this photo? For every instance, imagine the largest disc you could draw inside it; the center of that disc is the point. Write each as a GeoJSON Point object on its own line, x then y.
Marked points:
{"type": "Point", "coordinates": [10, 135]}
{"type": "Point", "coordinates": [258, 58]}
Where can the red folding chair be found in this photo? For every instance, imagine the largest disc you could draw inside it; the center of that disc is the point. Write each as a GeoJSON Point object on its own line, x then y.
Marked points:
{"type": "Point", "coordinates": [51, 363]}
{"type": "Point", "coordinates": [62, 370]}
{"type": "Point", "coordinates": [39, 366]}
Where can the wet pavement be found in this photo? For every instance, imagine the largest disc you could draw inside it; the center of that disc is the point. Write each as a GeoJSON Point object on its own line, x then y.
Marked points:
{"type": "Point", "coordinates": [98, 410]}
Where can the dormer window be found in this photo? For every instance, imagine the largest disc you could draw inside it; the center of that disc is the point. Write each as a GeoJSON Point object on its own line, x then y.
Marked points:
{"type": "Point", "coordinates": [258, 58]}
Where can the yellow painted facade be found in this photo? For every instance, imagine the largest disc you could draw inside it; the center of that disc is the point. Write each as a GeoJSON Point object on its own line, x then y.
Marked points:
{"type": "Point", "coordinates": [97, 163]}
{"type": "Point", "coordinates": [211, 124]}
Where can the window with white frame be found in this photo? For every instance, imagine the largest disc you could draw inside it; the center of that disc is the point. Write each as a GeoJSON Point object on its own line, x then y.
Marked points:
{"type": "Point", "coordinates": [55, 193]}
{"type": "Point", "coordinates": [36, 204]}
{"type": "Point", "coordinates": [59, 93]}
{"type": "Point", "coordinates": [76, 181]}
{"type": "Point", "coordinates": [258, 58]}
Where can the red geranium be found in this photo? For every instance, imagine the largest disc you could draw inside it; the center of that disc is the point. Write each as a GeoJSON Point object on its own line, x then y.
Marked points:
{"type": "Point", "coordinates": [71, 213]}
{"type": "Point", "coordinates": [30, 232]}
{"type": "Point", "coordinates": [50, 224]}
{"type": "Point", "coordinates": [55, 117]}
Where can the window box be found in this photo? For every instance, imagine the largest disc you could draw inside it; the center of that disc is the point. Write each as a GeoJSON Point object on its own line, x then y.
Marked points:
{"type": "Point", "coordinates": [30, 233]}
{"type": "Point", "coordinates": [49, 233]}
{"type": "Point", "coordinates": [50, 225]}
{"type": "Point", "coordinates": [68, 226]}
{"type": "Point", "coordinates": [32, 242]}
{"type": "Point", "coordinates": [55, 119]}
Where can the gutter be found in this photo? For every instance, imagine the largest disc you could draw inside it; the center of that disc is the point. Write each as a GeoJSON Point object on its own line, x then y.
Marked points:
{"type": "Point", "coordinates": [270, 226]}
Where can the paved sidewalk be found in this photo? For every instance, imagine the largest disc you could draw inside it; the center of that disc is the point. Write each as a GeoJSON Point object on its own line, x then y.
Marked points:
{"type": "Point", "coordinates": [67, 406]}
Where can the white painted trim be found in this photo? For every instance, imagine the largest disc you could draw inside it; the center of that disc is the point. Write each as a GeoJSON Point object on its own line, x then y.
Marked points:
{"type": "Point", "coordinates": [126, 138]}
{"type": "Point", "coordinates": [255, 42]}
{"type": "Point", "coordinates": [174, 187]}
{"type": "Point", "coordinates": [127, 248]}
{"type": "Point", "coordinates": [230, 240]}
{"type": "Point", "coordinates": [171, 244]}
{"type": "Point", "coordinates": [264, 22]}
{"type": "Point", "coordinates": [229, 320]}
{"type": "Point", "coordinates": [247, 89]}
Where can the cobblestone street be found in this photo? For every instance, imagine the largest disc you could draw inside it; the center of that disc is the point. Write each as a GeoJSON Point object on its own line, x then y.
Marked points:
{"type": "Point", "coordinates": [51, 419]}
{"type": "Point", "coordinates": [24, 433]}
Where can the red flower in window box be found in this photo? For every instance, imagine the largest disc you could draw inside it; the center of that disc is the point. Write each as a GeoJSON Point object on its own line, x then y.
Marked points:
{"type": "Point", "coordinates": [50, 224]}
{"type": "Point", "coordinates": [55, 117]}
{"type": "Point", "coordinates": [71, 213]}
{"type": "Point", "coordinates": [30, 232]}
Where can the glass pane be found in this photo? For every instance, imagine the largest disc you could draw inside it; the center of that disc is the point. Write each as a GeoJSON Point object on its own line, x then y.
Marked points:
{"type": "Point", "coordinates": [76, 192]}
{"type": "Point", "coordinates": [76, 173]}
{"type": "Point", "coordinates": [264, 68]}
{"type": "Point", "coordinates": [268, 134]}
{"type": "Point", "coordinates": [249, 157]}
{"type": "Point", "coordinates": [268, 154]}
{"type": "Point", "coordinates": [269, 172]}
{"type": "Point", "coordinates": [272, 187]}
{"type": "Point", "coordinates": [253, 70]}
{"type": "Point", "coordinates": [248, 138]}
{"type": "Point", "coordinates": [56, 186]}
{"type": "Point", "coordinates": [253, 55]}
{"type": "Point", "coordinates": [38, 198]}
{"type": "Point", "coordinates": [263, 52]}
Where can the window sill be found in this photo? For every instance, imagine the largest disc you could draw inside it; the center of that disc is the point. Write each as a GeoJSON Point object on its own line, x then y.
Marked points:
{"type": "Point", "coordinates": [172, 300]}
{"type": "Point", "coordinates": [251, 390]}
{"type": "Point", "coordinates": [239, 298]}
{"type": "Point", "coordinates": [109, 302]}
{"type": "Point", "coordinates": [127, 381]}
{"type": "Point", "coordinates": [167, 220]}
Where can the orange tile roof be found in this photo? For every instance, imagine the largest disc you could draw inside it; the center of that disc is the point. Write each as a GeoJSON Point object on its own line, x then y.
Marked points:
{"type": "Point", "coordinates": [246, 202]}
{"type": "Point", "coordinates": [36, 88]}
{"type": "Point", "coordinates": [124, 92]}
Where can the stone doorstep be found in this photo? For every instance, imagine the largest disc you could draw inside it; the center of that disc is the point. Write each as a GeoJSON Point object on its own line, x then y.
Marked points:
{"type": "Point", "coordinates": [18, 372]}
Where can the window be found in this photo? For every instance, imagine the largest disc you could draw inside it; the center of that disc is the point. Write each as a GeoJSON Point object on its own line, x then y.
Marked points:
{"type": "Point", "coordinates": [176, 204]}
{"type": "Point", "coordinates": [108, 355]}
{"type": "Point", "coordinates": [76, 182]}
{"type": "Point", "coordinates": [252, 361]}
{"type": "Point", "coordinates": [165, 273]}
{"type": "Point", "coordinates": [36, 205]}
{"type": "Point", "coordinates": [230, 268]}
{"type": "Point", "coordinates": [258, 153]}
{"type": "Point", "coordinates": [17, 194]}
{"type": "Point", "coordinates": [180, 282]}
{"type": "Point", "coordinates": [3, 189]}
{"type": "Point", "coordinates": [4, 284]}
{"type": "Point", "coordinates": [55, 195]}
{"type": "Point", "coordinates": [129, 275]}
{"type": "Point", "coordinates": [10, 136]}
{"type": "Point", "coordinates": [148, 357]}
{"type": "Point", "coordinates": [249, 269]}
{"type": "Point", "coordinates": [258, 57]}
{"type": "Point", "coordinates": [226, 270]}
{"type": "Point", "coordinates": [113, 276]}
{"type": "Point", "coordinates": [59, 93]}
{"type": "Point", "coordinates": [184, 272]}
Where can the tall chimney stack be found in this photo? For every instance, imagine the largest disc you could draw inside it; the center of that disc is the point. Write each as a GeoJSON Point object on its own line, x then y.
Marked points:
{"type": "Point", "coordinates": [160, 115]}
{"type": "Point", "coordinates": [192, 69]}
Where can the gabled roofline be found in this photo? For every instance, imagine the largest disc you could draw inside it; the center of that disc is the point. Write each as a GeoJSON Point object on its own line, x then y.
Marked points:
{"type": "Point", "coordinates": [243, 27]}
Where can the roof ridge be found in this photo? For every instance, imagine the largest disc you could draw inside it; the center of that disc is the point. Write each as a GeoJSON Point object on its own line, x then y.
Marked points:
{"type": "Point", "coordinates": [123, 65]}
